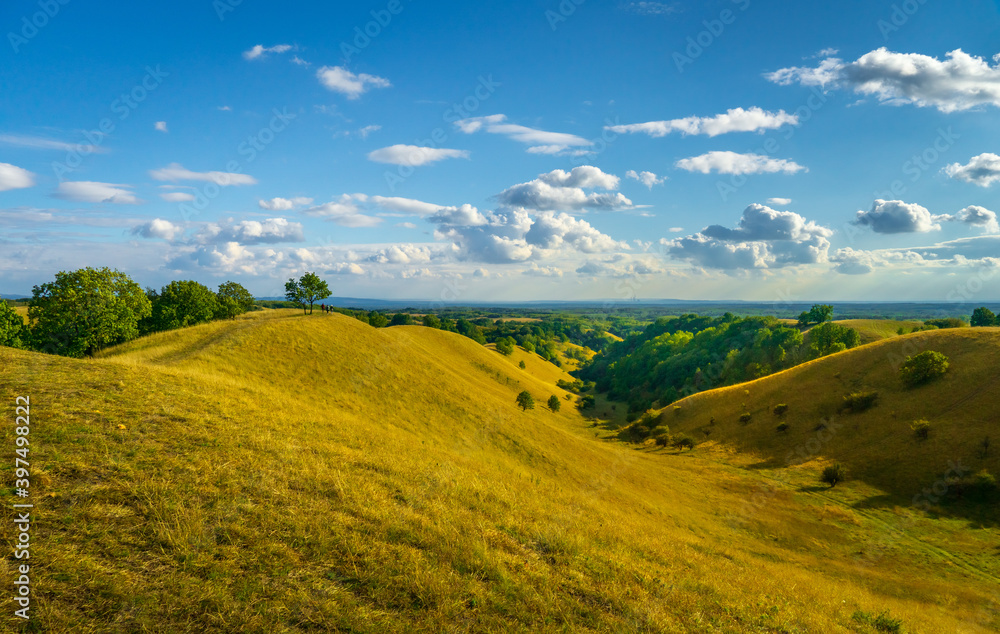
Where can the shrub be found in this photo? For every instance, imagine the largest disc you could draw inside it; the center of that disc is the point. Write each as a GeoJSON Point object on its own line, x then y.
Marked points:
{"type": "Point", "coordinates": [587, 402]}
{"type": "Point", "coordinates": [525, 401]}
{"type": "Point", "coordinates": [505, 346]}
{"type": "Point", "coordinates": [860, 401]}
{"type": "Point", "coordinates": [780, 409]}
{"type": "Point", "coordinates": [677, 410]}
{"type": "Point", "coordinates": [554, 403]}
{"type": "Point", "coordinates": [783, 427]}
{"type": "Point", "coordinates": [683, 440]}
{"type": "Point", "coordinates": [521, 365]}
{"type": "Point", "coordinates": [984, 483]}
{"type": "Point", "coordinates": [745, 417]}
{"type": "Point", "coordinates": [833, 474]}
{"type": "Point", "coordinates": [662, 440]}
{"type": "Point", "coordinates": [921, 429]}
{"type": "Point", "coordinates": [922, 368]}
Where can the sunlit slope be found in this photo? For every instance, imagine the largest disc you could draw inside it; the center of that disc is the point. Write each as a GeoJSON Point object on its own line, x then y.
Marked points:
{"type": "Point", "coordinates": [871, 330]}
{"type": "Point", "coordinates": [286, 473]}
{"type": "Point", "coordinates": [876, 445]}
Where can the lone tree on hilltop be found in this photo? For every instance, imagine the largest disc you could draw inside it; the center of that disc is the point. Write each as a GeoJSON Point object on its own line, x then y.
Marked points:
{"type": "Point", "coordinates": [308, 289]}
{"type": "Point", "coordinates": [85, 310]}
{"type": "Point", "coordinates": [816, 315]}
{"type": "Point", "coordinates": [525, 401]}
{"type": "Point", "coordinates": [983, 316]}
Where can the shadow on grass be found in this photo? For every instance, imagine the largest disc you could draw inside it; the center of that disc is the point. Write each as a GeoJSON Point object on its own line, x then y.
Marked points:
{"type": "Point", "coordinates": [815, 488]}
{"type": "Point", "coordinates": [978, 513]}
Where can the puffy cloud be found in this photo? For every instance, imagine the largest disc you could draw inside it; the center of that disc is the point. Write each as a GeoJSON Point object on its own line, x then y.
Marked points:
{"type": "Point", "coordinates": [161, 126]}
{"type": "Point", "coordinates": [259, 51]}
{"type": "Point", "coordinates": [734, 120]}
{"type": "Point", "coordinates": [413, 155]}
{"type": "Point", "coordinates": [780, 202]}
{"type": "Point", "coordinates": [158, 228]}
{"type": "Point", "coordinates": [620, 266]}
{"type": "Point", "coordinates": [959, 82]}
{"type": "Point", "coordinates": [563, 191]}
{"type": "Point", "coordinates": [14, 177]}
{"type": "Point", "coordinates": [344, 211]}
{"type": "Point", "coordinates": [895, 216]}
{"type": "Point", "coordinates": [734, 163]}
{"type": "Point", "coordinates": [855, 262]}
{"type": "Point", "coordinates": [270, 231]}
{"type": "Point", "coordinates": [339, 79]}
{"type": "Point", "coordinates": [981, 217]}
{"type": "Point", "coordinates": [646, 178]}
{"type": "Point", "coordinates": [345, 268]}
{"type": "Point", "coordinates": [177, 172]}
{"type": "Point", "coordinates": [94, 192]}
{"type": "Point", "coordinates": [541, 142]}
{"type": "Point", "coordinates": [402, 254]}
{"type": "Point", "coordinates": [542, 271]}
{"type": "Point", "coordinates": [230, 257]}
{"type": "Point", "coordinates": [764, 238]}
{"type": "Point", "coordinates": [284, 204]}
{"type": "Point", "coordinates": [177, 197]}
{"type": "Point", "coordinates": [554, 231]}
{"type": "Point", "coordinates": [461, 216]}
{"type": "Point", "coordinates": [982, 170]}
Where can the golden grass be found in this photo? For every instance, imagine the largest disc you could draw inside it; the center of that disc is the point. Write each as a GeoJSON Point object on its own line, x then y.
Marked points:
{"type": "Point", "coordinates": [872, 330]}
{"type": "Point", "coordinates": [283, 473]}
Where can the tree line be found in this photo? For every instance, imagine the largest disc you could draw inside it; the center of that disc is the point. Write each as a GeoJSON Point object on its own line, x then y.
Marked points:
{"type": "Point", "coordinates": [83, 311]}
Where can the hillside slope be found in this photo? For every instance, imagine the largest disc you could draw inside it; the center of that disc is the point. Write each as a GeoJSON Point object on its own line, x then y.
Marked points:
{"type": "Point", "coordinates": [284, 473]}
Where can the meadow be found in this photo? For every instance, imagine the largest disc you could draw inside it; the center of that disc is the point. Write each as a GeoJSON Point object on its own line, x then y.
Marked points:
{"type": "Point", "coordinates": [288, 473]}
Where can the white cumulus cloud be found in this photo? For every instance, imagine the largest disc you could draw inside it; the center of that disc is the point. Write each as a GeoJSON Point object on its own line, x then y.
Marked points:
{"type": "Point", "coordinates": [284, 204]}
{"type": "Point", "coordinates": [158, 228]}
{"type": "Point", "coordinates": [559, 190]}
{"type": "Point", "coordinates": [896, 216]}
{"type": "Point", "coordinates": [726, 162]}
{"type": "Point", "coordinates": [14, 177]}
{"type": "Point", "coordinates": [982, 170]}
{"type": "Point", "coordinates": [646, 178]}
{"type": "Point", "coordinates": [339, 79]}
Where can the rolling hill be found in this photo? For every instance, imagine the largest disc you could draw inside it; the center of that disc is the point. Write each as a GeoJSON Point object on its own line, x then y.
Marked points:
{"type": "Point", "coordinates": [289, 473]}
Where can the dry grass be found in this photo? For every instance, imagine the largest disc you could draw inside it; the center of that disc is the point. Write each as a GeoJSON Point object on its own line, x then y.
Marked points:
{"type": "Point", "coordinates": [284, 473]}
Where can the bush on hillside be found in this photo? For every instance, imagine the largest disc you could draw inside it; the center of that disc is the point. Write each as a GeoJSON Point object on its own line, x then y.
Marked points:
{"type": "Point", "coordinates": [860, 401]}
{"type": "Point", "coordinates": [234, 300]}
{"type": "Point", "coordinates": [525, 401]}
{"type": "Point", "coordinates": [745, 417]}
{"type": "Point", "coordinates": [924, 367]}
{"type": "Point", "coordinates": [780, 409]}
{"type": "Point", "coordinates": [377, 319]}
{"type": "Point", "coordinates": [554, 403]}
{"type": "Point", "coordinates": [833, 474]}
{"type": "Point", "coordinates": [683, 441]}
{"type": "Point", "coordinates": [782, 427]}
{"type": "Point", "coordinates": [587, 402]}
{"type": "Point", "coordinates": [921, 429]}
{"type": "Point", "coordinates": [505, 346]}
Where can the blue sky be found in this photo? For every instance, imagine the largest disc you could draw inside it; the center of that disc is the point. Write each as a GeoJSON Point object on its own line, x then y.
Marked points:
{"type": "Point", "coordinates": [530, 150]}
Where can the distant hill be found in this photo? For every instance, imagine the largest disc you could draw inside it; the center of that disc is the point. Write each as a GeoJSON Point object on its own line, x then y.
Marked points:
{"type": "Point", "coordinates": [290, 473]}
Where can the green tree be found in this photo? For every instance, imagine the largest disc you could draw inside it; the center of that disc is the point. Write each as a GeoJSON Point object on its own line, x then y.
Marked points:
{"type": "Point", "coordinates": [983, 316]}
{"type": "Point", "coordinates": [12, 330]}
{"type": "Point", "coordinates": [308, 289]}
{"type": "Point", "coordinates": [554, 404]}
{"type": "Point", "coordinates": [505, 346]}
{"type": "Point", "coordinates": [431, 321]}
{"type": "Point", "coordinates": [816, 315]}
{"type": "Point", "coordinates": [85, 310]}
{"type": "Point", "coordinates": [377, 319]}
{"type": "Point", "coordinates": [828, 338]}
{"type": "Point", "coordinates": [401, 319]}
{"type": "Point", "coordinates": [180, 304]}
{"type": "Point", "coordinates": [525, 401]}
{"type": "Point", "coordinates": [233, 300]}
{"type": "Point", "coordinates": [833, 474]}
{"type": "Point", "coordinates": [921, 368]}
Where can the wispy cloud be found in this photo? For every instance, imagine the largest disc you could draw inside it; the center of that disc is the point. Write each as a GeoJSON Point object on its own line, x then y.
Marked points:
{"type": "Point", "coordinates": [734, 163]}
{"type": "Point", "coordinates": [413, 155]}
{"type": "Point", "coordinates": [95, 192]}
{"type": "Point", "coordinates": [260, 51]}
{"type": "Point", "coordinates": [734, 120]}
{"type": "Point", "coordinates": [541, 141]}
{"type": "Point", "coordinates": [339, 79]}
{"type": "Point", "coordinates": [177, 172]}
{"type": "Point", "coordinates": [49, 144]}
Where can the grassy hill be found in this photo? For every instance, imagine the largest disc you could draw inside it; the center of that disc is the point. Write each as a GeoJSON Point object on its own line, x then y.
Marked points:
{"type": "Point", "coordinates": [289, 473]}
{"type": "Point", "coordinates": [872, 330]}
